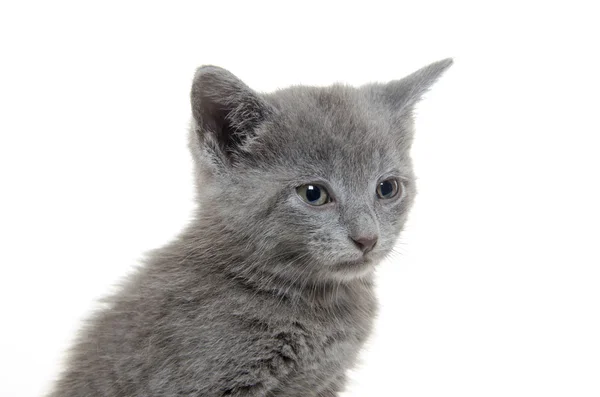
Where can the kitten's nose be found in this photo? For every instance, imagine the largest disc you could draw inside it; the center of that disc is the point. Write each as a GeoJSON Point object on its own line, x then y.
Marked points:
{"type": "Point", "coordinates": [365, 244]}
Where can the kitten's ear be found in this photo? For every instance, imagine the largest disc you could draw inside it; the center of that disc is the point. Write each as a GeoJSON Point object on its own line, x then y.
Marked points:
{"type": "Point", "coordinates": [226, 111]}
{"type": "Point", "coordinates": [403, 94]}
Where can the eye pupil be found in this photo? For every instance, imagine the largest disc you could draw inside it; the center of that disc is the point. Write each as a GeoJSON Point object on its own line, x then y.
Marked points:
{"type": "Point", "coordinates": [313, 193]}
{"type": "Point", "coordinates": [386, 188]}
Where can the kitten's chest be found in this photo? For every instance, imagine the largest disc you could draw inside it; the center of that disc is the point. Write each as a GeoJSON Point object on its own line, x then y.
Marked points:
{"type": "Point", "coordinates": [325, 350]}
{"type": "Point", "coordinates": [313, 345]}
{"type": "Point", "coordinates": [334, 347]}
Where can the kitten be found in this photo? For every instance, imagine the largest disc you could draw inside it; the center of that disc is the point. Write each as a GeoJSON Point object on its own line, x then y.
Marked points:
{"type": "Point", "coordinates": [269, 291]}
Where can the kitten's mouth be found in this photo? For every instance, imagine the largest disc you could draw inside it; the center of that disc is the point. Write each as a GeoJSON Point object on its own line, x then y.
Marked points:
{"type": "Point", "coordinates": [360, 266]}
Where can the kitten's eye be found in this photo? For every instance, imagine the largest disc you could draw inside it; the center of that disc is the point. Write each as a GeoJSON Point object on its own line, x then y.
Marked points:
{"type": "Point", "coordinates": [313, 194]}
{"type": "Point", "coordinates": [388, 189]}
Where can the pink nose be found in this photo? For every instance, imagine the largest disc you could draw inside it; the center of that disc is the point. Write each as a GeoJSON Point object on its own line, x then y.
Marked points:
{"type": "Point", "coordinates": [365, 244]}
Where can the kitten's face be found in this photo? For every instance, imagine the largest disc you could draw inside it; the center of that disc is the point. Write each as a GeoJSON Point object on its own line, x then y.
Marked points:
{"type": "Point", "coordinates": [319, 178]}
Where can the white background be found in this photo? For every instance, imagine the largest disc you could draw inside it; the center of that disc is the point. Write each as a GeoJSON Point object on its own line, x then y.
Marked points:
{"type": "Point", "coordinates": [495, 291]}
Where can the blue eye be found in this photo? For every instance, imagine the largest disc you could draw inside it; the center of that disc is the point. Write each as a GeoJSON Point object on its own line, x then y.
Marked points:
{"type": "Point", "coordinates": [313, 194]}
{"type": "Point", "coordinates": [388, 189]}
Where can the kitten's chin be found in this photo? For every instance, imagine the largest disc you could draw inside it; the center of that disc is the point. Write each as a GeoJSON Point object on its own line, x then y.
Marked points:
{"type": "Point", "coordinates": [352, 270]}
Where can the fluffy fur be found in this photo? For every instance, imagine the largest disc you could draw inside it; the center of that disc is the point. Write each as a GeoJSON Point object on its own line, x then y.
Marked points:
{"type": "Point", "coordinates": [262, 295]}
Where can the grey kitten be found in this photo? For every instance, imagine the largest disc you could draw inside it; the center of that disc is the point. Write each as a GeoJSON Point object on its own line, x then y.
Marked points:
{"type": "Point", "coordinates": [269, 291]}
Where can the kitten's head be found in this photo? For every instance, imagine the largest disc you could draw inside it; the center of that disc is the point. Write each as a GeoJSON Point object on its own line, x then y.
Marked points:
{"type": "Point", "coordinates": [308, 182]}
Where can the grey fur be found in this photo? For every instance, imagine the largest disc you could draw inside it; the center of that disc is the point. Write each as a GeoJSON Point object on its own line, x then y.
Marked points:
{"type": "Point", "coordinates": [262, 294]}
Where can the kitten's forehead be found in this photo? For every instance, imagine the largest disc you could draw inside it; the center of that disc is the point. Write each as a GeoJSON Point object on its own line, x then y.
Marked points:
{"type": "Point", "coordinates": [334, 127]}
